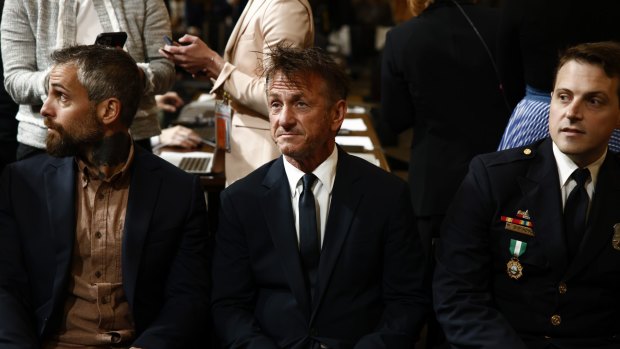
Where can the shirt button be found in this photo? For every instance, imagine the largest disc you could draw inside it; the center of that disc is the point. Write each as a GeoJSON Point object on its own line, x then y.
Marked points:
{"type": "Point", "coordinates": [562, 287]}
{"type": "Point", "coordinates": [98, 235]}
{"type": "Point", "coordinates": [97, 274]}
{"type": "Point", "coordinates": [100, 196]}
{"type": "Point", "coordinates": [556, 320]}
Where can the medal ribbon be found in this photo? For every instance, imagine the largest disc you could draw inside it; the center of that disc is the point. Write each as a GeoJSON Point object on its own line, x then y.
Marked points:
{"type": "Point", "coordinates": [517, 247]}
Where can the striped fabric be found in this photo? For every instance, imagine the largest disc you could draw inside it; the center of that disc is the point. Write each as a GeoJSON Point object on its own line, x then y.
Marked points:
{"type": "Point", "coordinates": [529, 122]}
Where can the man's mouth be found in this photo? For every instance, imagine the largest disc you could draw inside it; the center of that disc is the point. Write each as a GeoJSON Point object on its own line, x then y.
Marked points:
{"type": "Point", "coordinates": [571, 130]}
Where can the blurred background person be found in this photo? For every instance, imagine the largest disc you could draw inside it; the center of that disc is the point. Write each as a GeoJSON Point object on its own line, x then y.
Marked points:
{"type": "Point", "coordinates": [8, 123]}
{"type": "Point", "coordinates": [532, 35]}
{"type": "Point", "coordinates": [438, 77]}
{"type": "Point", "coordinates": [261, 25]}
{"type": "Point", "coordinates": [32, 29]}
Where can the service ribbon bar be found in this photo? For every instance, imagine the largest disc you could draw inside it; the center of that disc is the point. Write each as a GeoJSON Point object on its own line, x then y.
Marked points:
{"type": "Point", "coordinates": [517, 221]}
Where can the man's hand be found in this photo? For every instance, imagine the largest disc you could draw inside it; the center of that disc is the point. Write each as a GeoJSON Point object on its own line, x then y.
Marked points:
{"type": "Point", "coordinates": [169, 101]}
{"type": "Point", "coordinates": [180, 136]}
{"type": "Point", "coordinates": [194, 56]}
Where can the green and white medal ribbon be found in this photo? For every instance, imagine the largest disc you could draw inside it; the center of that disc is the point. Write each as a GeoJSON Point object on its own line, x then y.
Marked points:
{"type": "Point", "coordinates": [514, 267]}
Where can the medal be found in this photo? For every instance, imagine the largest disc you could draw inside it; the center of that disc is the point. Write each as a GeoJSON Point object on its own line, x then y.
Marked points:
{"type": "Point", "coordinates": [514, 269]}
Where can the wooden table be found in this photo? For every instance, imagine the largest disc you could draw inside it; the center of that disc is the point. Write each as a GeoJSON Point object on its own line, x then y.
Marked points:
{"type": "Point", "coordinates": [372, 134]}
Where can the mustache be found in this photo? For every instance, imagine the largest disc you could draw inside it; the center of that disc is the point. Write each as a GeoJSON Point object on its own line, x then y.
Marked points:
{"type": "Point", "coordinates": [292, 131]}
{"type": "Point", "coordinates": [52, 125]}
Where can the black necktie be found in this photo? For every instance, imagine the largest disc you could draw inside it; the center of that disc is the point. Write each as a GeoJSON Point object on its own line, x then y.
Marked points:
{"type": "Point", "coordinates": [308, 234]}
{"type": "Point", "coordinates": [575, 211]}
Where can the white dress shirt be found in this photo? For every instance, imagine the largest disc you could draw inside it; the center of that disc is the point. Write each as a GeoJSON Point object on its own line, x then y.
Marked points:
{"type": "Point", "coordinates": [566, 167]}
{"type": "Point", "coordinates": [322, 190]}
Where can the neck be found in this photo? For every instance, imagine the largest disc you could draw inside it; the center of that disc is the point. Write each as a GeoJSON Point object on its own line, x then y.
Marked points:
{"type": "Point", "coordinates": [308, 164]}
{"type": "Point", "coordinates": [108, 156]}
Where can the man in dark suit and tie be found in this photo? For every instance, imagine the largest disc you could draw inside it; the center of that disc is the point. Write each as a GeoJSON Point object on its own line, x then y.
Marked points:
{"type": "Point", "coordinates": [316, 249]}
{"type": "Point", "coordinates": [530, 250]}
{"type": "Point", "coordinates": [102, 244]}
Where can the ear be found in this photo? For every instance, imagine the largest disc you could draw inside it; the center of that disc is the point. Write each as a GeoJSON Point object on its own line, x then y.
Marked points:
{"type": "Point", "coordinates": [339, 113]}
{"type": "Point", "coordinates": [109, 110]}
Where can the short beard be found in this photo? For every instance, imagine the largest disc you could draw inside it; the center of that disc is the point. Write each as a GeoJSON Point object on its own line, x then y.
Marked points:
{"type": "Point", "coordinates": [60, 143]}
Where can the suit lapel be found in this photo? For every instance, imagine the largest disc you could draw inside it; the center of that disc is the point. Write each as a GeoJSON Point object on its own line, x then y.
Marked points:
{"type": "Point", "coordinates": [143, 192]}
{"type": "Point", "coordinates": [279, 218]}
{"type": "Point", "coordinates": [541, 189]}
{"type": "Point", "coordinates": [603, 215]}
{"type": "Point", "coordinates": [59, 186]}
{"type": "Point", "coordinates": [346, 196]}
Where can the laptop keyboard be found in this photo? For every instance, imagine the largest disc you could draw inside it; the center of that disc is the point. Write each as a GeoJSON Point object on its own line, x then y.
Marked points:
{"type": "Point", "coordinates": [195, 164]}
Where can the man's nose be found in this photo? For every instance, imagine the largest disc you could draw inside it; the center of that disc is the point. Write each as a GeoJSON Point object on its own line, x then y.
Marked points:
{"type": "Point", "coordinates": [46, 109]}
{"type": "Point", "coordinates": [287, 116]}
{"type": "Point", "coordinates": [574, 110]}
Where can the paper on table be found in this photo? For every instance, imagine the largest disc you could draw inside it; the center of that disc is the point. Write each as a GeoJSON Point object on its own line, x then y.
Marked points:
{"type": "Point", "coordinates": [354, 124]}
{"type": "Point", "coordinates": [356, 109]}
{"type": "Point", "coordinates": [355, 141]}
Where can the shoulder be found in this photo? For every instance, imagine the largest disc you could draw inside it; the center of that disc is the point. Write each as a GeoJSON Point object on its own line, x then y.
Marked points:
{"type": "Point", "coordinates": [149, 162]}
{"type": "Point", "coordinates": [367, 174]}
{"type": "Point", "coordinates": [287, 5]}
{"type": "Point", "coordinates": [37, 164]}
{"type": "Point", "coordinates": [254, 183]}
{"type": "Point", "coordinates": [512, 156]}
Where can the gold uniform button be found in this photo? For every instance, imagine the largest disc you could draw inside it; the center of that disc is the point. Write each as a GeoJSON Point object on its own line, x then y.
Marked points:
{"type": "Point", "coordinates": [527, 151]}
{"type": "Point", "coordinates": [562, 287]}
{"type": "Point", "coordinates": [556, 320]}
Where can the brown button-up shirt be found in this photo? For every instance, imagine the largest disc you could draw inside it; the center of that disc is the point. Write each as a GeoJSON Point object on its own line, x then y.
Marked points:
{"type": "Point", "coordinates": [96, 311]}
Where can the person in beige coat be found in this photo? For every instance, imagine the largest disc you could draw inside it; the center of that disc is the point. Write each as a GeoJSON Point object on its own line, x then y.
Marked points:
{"type": "Point", "coordinates": [262, 25]}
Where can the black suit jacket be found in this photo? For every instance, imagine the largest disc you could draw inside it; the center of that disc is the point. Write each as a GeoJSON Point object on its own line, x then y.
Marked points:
{"type": "Point", "coordinates": [477, 303]}
{"type": "Point", "coordinates": [163, 250]}
{"type": "Point", "coordinates": [370, 280]}
{"type": "Point", "coordinates": [437, 78]}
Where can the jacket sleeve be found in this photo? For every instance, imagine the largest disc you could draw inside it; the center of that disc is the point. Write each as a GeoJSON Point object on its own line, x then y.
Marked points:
{"type": "Point", "coordinates": [22, 78]}
{"type": "Point", "coordinates": [158, 70]}
{"type": "Point", "coordinates": [282, 21]}
{"type": "Point", "coordinates": [185, 310]}
{"type": "Point", "coordinates": [397, 108]}
{"type": "Point", "coordinates": [509, 55]}
{"type": "Point", "coordinates": [233, 287]}
{"type": "Point", "coordinates": [461, 286]}
{"type": "Point", "coordinates": [405, 281]}
{"type": "Point", "coordinates": [17, 327]}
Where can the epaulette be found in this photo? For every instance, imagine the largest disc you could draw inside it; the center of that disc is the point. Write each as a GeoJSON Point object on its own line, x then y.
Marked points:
{"type": "Point", "coordinates": [527, 152]}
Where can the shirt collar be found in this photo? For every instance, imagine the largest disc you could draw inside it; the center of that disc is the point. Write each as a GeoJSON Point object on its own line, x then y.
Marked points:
{"type": "Point", "coordinates": [566, 166]}
{"type": "Point", "coordinates": [325, 172]}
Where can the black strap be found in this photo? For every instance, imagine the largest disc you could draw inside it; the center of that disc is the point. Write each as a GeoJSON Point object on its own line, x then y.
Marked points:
{"type": "Point", "coordinates": [488, 51]}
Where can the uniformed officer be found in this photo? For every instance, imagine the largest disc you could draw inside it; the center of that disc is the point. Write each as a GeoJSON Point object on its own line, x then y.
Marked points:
{"type": "Point", "coordinates": [529, 255]}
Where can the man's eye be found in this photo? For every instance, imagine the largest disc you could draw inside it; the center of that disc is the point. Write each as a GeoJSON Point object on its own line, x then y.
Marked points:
{"type": "Point", "coordinates": [564, 97]}
{"type": "Point", "coordinates": [275, 105]}
{"type": "Point", "coordinates": [596, 101]}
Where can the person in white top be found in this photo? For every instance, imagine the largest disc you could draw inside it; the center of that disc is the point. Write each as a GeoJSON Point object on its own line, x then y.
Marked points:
{"type": "Point", "coordinates": [32, 29]}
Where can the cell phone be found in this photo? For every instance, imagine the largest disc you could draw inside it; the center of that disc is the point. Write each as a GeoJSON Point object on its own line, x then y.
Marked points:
{"type": "Point", "coordinates": [112, 39]}
{"type": "Point", "coordinates": [168, 40]}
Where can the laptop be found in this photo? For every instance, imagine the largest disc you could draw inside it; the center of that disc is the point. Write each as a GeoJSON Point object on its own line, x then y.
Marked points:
{"type": "Point", "coordinates": [196, 162]}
